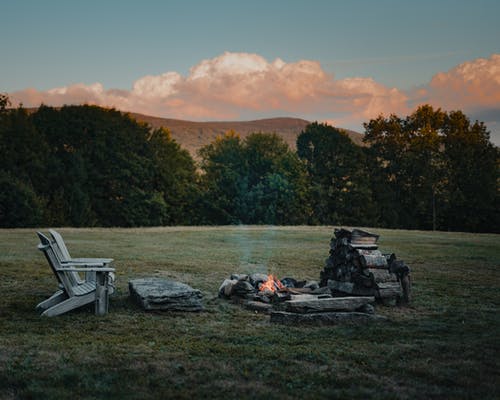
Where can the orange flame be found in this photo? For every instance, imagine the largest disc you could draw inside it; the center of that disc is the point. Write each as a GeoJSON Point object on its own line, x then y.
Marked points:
{"type": "Point", "coordinates": [271, 284]}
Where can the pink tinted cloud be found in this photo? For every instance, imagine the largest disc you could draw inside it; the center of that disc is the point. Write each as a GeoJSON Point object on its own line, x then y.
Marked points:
{"type": "Point", "coordinates": [247, 86]}
{"type": "Point", "coordinates": [470, 86]}
{"type": "Point", "coordinates": [230, 86]}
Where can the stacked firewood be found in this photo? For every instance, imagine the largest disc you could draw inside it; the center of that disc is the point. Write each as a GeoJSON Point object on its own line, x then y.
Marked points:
{"type": "Point", "coordinates": [356, 267]}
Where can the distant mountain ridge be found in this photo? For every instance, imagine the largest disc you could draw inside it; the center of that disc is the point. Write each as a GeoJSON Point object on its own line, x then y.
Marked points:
{"type": "Point", "coordinates": [194, 135]}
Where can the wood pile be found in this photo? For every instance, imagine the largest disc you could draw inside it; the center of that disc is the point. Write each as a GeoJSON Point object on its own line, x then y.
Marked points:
{"type": "Point", "coordinates": [356, 267]}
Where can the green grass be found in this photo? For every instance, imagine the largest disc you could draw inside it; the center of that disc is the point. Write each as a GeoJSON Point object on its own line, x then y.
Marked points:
{"type": "Point", "coordinates": [445, 345]}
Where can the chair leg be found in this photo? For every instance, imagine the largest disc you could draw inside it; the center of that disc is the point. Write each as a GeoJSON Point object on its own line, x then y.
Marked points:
{"type": "Point", "coordinates": [69, 304]}
{"type": "Point", "coordinates": [101, 294]}
{"type": "Point", "coordinates": [56, 298]}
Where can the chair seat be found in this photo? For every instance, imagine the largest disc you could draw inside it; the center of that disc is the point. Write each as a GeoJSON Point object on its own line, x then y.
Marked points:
{"type": "Point", "coordinates": [84, 288]}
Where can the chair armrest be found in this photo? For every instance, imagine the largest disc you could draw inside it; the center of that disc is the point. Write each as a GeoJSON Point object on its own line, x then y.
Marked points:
{"type": "Point", "coordinates": [87, 269]}
{"type": "Point", "coordinates": [82, 265]}
{"type": "Point", "coordinates": [89, 260]}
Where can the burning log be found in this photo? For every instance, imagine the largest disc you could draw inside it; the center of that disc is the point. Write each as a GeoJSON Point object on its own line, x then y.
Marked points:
{"type": "Point", "coordinates": [272, 284]}
{"type": "Point", "coordinates": [255, 287]}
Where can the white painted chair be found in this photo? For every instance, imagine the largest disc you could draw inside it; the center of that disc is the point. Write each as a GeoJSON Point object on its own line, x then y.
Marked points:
{"type": "Point", "coordinates": [74, 291]}
{"type": "Point", "coordinates": [63, 254]}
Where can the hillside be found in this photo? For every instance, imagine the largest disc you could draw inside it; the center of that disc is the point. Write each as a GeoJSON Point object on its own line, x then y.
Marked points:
{"type": "Point", "coordinates": [193, 135]}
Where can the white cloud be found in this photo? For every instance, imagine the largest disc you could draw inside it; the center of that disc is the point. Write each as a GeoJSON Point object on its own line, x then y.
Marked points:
{"type": "Point", "coordinates": [244, 85]}
{"type": "Point", "coordinates": [469, 86]}
{"type": "Point", "coordinates": [157, 86]}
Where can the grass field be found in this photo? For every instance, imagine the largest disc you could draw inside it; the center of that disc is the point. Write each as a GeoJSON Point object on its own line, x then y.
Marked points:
{"type": "Point", "coordinates": [445, 345]}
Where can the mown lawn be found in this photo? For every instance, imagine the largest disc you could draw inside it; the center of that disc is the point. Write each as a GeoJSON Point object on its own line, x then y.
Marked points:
{"type": "Point", "coordinates": [445, 345]}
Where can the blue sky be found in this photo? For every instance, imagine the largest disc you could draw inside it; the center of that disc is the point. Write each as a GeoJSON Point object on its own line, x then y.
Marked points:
{"type": "Point", "coordinates": [398, 44]}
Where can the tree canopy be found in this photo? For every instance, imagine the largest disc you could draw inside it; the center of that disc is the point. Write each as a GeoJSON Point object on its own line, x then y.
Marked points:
{"type": "Point", "coordinates": [433, 170]}
{"type": "Point", "coordinates": [94, 166]}
{"type": "Point", "coordinates": [258, 180]}
{"type": "Point", "coordinates": [91, 166]}
{"type": "Point", "coordinates": [339, 185]}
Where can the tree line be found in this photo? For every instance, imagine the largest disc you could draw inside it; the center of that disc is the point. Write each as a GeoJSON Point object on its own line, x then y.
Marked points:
{"type": "Point", "coordinates": [90, 166]}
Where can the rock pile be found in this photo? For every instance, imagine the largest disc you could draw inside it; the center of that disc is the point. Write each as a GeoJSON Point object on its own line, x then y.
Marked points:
{"type": "Point", "coordinates": [289, 301]}
{"type": "Point", "coordinates": [262, 287]}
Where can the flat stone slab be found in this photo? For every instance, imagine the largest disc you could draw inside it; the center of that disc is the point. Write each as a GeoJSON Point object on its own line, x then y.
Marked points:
{"type": "Point", "coordinates": [323, 318]}
{"type": "Point", "coordinates": [162, 294]}
{"type": "Point", "coordinates": [327, 304]}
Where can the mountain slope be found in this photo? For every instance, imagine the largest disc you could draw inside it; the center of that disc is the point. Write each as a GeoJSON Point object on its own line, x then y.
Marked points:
{"type": "Point", "coordinates": [194, 135]}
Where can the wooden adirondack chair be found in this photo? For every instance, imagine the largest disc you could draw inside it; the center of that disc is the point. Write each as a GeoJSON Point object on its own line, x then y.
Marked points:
{"type": "Point", "coordinates": [64, 253]}
{"type": "Point", "coordinates": [64, 256]}
{"type": "Point", "coordinates": [74, 292]}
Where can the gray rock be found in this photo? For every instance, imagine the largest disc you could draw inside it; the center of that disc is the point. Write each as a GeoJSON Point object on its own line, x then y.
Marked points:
{"type": "Point", "coordinates": [367, 309]}
{"type": "Point", "coordinates": [242, 288]}
{"type": "Point", "coordinates": [313, 285]}
{"type": "Point", "coordinates": [239, 277]}
{"type": "Point", "coordinates": [162, 294]}
{"type": "Point", "coordinates": [257, 278]}
{"type": "Point", "coordinates": [258, 306]}
{"type": "Point", "coordinates": [324, 318]}
{"type": "Point", "coordinates": [226, 288]}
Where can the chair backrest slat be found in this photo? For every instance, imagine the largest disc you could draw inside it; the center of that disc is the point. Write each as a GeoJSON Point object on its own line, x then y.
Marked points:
{"type": "Point", "coordinates": [62, 253]}
{"type": "Point", "coordinates": [64, 277]}
{"type": "Point", "coordinates": [60, 244]}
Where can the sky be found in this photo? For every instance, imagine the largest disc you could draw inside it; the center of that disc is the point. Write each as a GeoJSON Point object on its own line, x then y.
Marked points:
{"type": "Point", "coordinates": [341, 62]}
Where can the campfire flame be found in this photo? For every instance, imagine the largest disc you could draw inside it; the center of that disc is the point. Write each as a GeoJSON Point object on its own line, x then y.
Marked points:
{"type": "Point", "coordinates": [271, 284]}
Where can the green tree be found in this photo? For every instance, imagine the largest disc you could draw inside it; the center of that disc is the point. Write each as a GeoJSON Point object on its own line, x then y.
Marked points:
{"type": "Point", "coordinates": [23, 154]}
{"type": "Point", "coordinates": [472, 164]}
{"type": "Point", "coordinates": [23, 149]}
{"type": "Point", "coordinates": [175, 181]}
{"type": "Point", "coordinates": [338, 179]}
{"type": "Point", "coordinates": [20, 205]}
{"type": "Point", "coordinates": [224, 180]}
{"type": "Point", "coordinates": [258, 180]}
{"type": "Point", "coordinates": [107, 169]}
{"type": "Point", "coordinates": [277, 181]}
{"type": "Point", "coordinates": [432, 170]}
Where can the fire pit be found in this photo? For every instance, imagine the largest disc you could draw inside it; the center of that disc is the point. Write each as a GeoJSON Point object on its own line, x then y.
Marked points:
{"type": "Point", "coordinates": [266, 288]}
{"type": "Point", "coordinates": [289, 301]}
{"type": "Point", "coordinates": [355, 275]}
